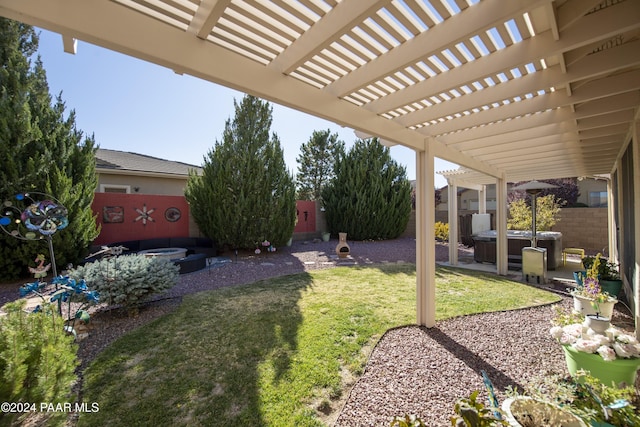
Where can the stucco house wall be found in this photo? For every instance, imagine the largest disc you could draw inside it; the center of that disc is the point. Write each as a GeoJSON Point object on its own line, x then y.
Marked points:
{"type": "Point", "coordinates": [121, 172]}
{"type": "Point", "coordinates": [592, 193]}
{"type": "Point", "coordinates": [135, 184]}
{"type": "Point", "coordinates": [131, 180]}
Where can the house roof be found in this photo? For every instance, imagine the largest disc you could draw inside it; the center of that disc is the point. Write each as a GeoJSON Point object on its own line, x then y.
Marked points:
{"type": "Point", "coordinates": [123, 161]}
{"type": "Point", "coordinates": [518, 89]}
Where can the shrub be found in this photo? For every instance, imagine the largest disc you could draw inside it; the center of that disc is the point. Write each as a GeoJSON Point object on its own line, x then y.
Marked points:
{"type": "Point", "coordinates": [127, 280]}
{"type": "Point", "coordinates": [548, 208]}
{"type": "Point", "coordinates": [607, 270]}
{"type": "Point", "coordinates": [370, 196]}
{"type": "Point", "coordinates": [244, 194]}
{"type": "Point", "coordinates": [442, 231]}
{"type": "Point", "coordinates": [37, 359]}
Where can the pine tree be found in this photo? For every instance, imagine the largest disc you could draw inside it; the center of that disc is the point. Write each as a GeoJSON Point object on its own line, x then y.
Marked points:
{"type": "Point", "coordinates": [41, 151]}
{"type": "Point", "coordinates": [370, 195]}
{"type": "Point", "coordinates": [245, 195]}
{"type": "Point", "coordinates": [316, 163]}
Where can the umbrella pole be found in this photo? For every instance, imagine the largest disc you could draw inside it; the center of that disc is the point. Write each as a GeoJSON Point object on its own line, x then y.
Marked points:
{"type": "Point", "coordinates": [534, 242]}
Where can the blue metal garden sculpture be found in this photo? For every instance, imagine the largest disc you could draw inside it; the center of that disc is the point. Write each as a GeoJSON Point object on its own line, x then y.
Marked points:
{"type": "Point", "coordinates": [27, 219]}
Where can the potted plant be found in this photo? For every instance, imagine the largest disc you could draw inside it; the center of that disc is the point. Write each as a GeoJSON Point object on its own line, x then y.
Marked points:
{"type": "Point", "coordinates": [610, 357]}
{"type": "Point", "coordinates": [524, 411]}
{"type": "Point", "coordinates": [608, 274]}
{"type": "Point", "coordinates": [587, 398]}
{"type": "Point", "coordinates": [589, 297]}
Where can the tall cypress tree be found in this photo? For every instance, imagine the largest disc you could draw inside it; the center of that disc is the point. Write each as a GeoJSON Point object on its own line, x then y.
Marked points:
{"type": "Point", "coordinates": [40, 151]}
{"type": "Point", "coordinates": [370, 195]}
{"type": "Point", "coordinates": [316, 163]}
{"type": "Point", "coordinates": [245, 195]}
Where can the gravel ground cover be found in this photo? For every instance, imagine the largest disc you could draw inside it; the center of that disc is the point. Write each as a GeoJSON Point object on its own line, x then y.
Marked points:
{"type": "Point", "coordinates": [411, 369]}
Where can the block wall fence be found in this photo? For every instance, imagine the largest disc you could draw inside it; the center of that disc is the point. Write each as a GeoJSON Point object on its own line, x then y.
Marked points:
{"type": "Point", "coordinates": [121, 218]}
{"type": "Point", "coordinates": [580, 227]}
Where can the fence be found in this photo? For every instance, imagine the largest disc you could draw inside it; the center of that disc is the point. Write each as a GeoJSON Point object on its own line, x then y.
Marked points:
{"type": "Point", "coordinates": [580, 227]}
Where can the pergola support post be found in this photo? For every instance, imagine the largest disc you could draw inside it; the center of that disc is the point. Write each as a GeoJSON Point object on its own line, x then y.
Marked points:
{"type": "Point", "coordinates": [612, 238]}
{"type": "Point", "coordinates": [453, 222]}
{"type": "Point", "coordinates": [502, 256]}
{"type": "Point", "coordinates": [635, 149]}
{"type": "Point", "coordinates": [425, 239]}
{"type": "Point", "coordinates": [482, 200]}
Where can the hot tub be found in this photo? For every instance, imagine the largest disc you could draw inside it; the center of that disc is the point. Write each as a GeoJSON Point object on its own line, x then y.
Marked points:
{"type": "Point", "coordinates": [485, 246]}
{"type": "Point", "coordinates": [169, 253]}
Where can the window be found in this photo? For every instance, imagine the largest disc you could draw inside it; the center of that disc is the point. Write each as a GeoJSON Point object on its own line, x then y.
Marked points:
{"type": "Point", "coordinates": [598, 199]}
{"type": "Point", "coordinates": [112, 188]}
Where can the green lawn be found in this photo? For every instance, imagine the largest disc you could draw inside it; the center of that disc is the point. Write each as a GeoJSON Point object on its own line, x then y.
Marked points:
{"type": "Point", "coordinates": [274, 353]}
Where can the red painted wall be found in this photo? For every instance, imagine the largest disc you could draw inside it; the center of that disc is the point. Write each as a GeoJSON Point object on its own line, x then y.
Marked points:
{"type": "Point", "coordinates": [306, 211]}
{"type": "Point", "coordinates": [122, 216]}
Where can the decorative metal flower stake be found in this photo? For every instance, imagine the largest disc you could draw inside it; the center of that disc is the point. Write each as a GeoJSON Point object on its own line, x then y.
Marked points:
{"type": "Point", "coordinates": [27, 219]}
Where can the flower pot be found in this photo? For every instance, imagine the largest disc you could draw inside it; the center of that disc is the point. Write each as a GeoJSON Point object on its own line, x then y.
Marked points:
{"type": "Point", "coordinates": [598, 324]}
{"type": "Point", "coordinates": [616, 371]}
{"type": "Point", "coordinates": [579, 277]}
{"type": "Point", "coordinates": [326, 237]}
{"type": "Point", "coordinates": [583, 305]}
{"type": "Point", "coordinates": [612, 287]}
{"type": "Point", "coordinates": [517, 409]}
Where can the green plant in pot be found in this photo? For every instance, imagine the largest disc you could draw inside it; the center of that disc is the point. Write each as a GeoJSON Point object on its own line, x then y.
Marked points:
{"type": "Point", "coordinates": [524, 411]}
{"type": "Point", "coordinates": [612, 357]}
{"type": "Point", "coordinates": [589, 297]}
{"type": "Point", "coordinates": [588, 398]}
{"type": "Point", "coordinates": [608, 273]}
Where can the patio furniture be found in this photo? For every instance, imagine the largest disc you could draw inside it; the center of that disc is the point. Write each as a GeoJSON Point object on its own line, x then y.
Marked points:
{"type": "Point", "coordinates": [573, 251]}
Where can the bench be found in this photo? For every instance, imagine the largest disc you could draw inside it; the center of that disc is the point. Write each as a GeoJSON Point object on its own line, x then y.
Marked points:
{"type": "Point", "coordinates": [572, 251]}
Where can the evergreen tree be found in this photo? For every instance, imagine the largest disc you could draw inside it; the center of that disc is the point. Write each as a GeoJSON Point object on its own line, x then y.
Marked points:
{"type": "Point", "coordinates": [370, 196]}
{"type": "Point", "coordinates": [245, 195]}
{"type": "Point", "coordinates": [316, 163]}
{"type": "Point", "coordinates": [41, 151]}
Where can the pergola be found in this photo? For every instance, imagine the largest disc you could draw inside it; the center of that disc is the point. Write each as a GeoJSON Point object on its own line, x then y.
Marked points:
{"type": "Point", "coordinates": [510, 90]}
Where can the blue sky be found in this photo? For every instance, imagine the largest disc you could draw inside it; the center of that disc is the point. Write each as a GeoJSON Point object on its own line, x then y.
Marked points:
{"type": "Point", "coordinates": [133, 105]}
